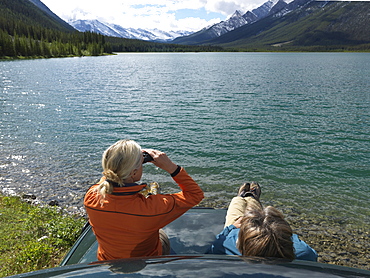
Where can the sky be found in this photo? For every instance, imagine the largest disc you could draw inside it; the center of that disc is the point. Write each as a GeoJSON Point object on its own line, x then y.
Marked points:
{"type": "Point", "coordinates": [166, 15]}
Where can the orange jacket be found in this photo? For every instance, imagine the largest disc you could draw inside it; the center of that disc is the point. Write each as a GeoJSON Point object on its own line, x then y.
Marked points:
{"type": "Point", "coordinates": [128, 224]}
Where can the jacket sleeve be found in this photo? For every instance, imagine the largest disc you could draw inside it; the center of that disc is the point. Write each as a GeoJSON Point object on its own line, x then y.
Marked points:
{"type": "Point", "coordinates": [169, 207]}
{"type": "Point", "coordinates": [191, 193]}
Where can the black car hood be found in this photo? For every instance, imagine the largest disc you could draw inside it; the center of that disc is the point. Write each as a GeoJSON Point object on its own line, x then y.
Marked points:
{"type": "Point", "coordinates": [200, 267]}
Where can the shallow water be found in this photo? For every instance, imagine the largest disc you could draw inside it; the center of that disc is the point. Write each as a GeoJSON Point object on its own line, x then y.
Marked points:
{"type": "Point", "coordinates": [298, 123]}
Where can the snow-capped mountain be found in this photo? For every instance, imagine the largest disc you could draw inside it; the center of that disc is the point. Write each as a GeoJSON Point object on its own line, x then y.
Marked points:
{"type": "Point", "coordinates": [115, 30]}
{"type": "Point", "coordinates": [234, 21]}
{"type": "Point", "coordinates": [237, 20]}
{"type": "Point", "coordinates": [263, 10]}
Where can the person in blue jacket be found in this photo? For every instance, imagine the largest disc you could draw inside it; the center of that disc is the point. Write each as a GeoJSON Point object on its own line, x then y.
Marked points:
{"type": "Point", "coordinates": [251, 230]}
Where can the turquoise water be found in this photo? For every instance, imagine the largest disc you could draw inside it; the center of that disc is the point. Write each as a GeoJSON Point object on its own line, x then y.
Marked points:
{"type": "Point", "coordinates": [298, 123]}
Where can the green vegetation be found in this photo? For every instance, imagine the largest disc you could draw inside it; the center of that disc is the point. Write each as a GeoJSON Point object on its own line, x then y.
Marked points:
{"type": "Point", "coordinates": [315, 26]}
{"type": "Point", "coordinates": [26, 31]}
{"type": "Point", "coordinates": [33, 237]}
{"type": "Point", "coordinates": [337, 26]}
{"type": "Point", "coordinates": [130, 45]}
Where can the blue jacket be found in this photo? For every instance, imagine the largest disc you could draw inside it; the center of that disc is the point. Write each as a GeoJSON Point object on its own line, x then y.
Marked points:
{"type": "Point", "coordinates": [225, 243]}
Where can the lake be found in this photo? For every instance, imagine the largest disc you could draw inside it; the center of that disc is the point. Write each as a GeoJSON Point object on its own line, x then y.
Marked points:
{"type": "Point", "coordinates": [297, 123]}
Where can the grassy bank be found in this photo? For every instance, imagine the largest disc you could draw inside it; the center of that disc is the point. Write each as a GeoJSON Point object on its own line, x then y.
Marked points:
{"type": "Point", "coordinates": [33, 237]}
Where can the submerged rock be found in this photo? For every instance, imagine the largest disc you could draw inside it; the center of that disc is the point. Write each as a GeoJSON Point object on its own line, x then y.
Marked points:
{"type": "Point", "coordinates": [53, 203]}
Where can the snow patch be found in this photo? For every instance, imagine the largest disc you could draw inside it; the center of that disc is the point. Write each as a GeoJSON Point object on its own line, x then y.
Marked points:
{"type": "Point", "coordinates": [114, 30]}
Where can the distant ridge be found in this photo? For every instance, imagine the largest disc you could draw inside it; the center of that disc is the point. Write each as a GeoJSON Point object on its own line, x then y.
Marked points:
{"type": "Point", "coordinates": [306, 23]}
{"type": "Point", "coordinates": [238, 19]}
{"type": "Point", "coordinates": [114, 30]}
{"type": "Point", "coordinates": [303, 24]}
{"type": "Point", "coordinates": [30, 29]}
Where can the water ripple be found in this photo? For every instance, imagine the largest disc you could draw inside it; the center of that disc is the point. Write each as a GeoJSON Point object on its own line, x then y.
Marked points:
{"type": "Point", "coordinates": [298, 123]}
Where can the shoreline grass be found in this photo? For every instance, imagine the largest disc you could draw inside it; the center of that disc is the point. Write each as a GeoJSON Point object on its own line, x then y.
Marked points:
{"type": "Point", "coordinates": [34, 237]}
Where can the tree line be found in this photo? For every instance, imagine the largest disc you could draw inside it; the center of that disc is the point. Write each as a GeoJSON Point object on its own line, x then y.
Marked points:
{"type": "Point", "coordinates": [20, 45]}
{"type": "Point", "coordinates": [25, 31]}
{"type": "Point", "coordinates": [132, 45]}
{"type": "Point", "coordinates": [17, 38]}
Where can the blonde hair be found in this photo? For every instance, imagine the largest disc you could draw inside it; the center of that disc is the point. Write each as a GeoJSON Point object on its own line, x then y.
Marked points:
{"type": "Point", "coordinates": [265, 233]}
{"type": "Point", "coordinates": [118, 161]}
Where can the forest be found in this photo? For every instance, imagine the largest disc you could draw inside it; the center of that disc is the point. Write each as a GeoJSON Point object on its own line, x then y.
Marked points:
{"type": "Point", "coordinates": [26, 31]}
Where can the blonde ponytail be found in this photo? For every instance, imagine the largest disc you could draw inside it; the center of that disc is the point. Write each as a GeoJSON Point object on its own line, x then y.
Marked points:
{"type": "Point", "coordinates": [102, 190]}
{"type": "Point", "coordinates": [118, 161]}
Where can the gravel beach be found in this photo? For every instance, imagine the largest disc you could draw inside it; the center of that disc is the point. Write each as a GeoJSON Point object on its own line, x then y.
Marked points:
{"type": "Point", "coordinates": [335, 242]}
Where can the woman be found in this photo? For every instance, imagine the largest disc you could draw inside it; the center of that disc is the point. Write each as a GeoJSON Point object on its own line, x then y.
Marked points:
{"type": "Point", "coordinates": [251, 230]}
{"type": "Point", "coordinates": [125, 222]}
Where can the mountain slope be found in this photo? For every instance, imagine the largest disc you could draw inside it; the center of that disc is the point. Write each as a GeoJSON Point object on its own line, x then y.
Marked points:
{"type": "Point", "coordinates": [30, 14]}
{"type": "Point", "coordinates": [46, 10]}
{"type": "Point", "coordinates": [309, 23]}
{"type": "Point", "coordinates": [26, 30]}
{"type": "Point", "coordinates": [235, 21]}
{"type": "Point", "coordinates": [304, 23]}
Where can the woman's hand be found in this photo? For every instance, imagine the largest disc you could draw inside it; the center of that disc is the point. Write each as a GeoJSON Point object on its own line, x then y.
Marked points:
{"type": "Point", "coordinates": [161, 160]}
{"type": "Point", "coordinates": [238, 222]}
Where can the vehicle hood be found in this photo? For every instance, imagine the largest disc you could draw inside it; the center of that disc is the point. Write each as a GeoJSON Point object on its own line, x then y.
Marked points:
{"type": "Point", "coordinates": [200, 267]}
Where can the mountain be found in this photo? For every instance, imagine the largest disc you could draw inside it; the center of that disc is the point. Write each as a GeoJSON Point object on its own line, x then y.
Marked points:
{"type": "Point", "coordinates": [114, 30]}
{"type": "Point", "coordinates": [301, 24]}
{"type": "Point", "coordinates": [30, 29]}
{"type": "Point", "coordinates": [30, 13]}
{"type": "Point", "coordinates": [235, 21]}
{"type": "Point", "coordinates": [52, 15]}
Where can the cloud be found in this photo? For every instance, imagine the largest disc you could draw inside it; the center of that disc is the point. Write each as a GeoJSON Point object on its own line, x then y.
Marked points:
{"type": "Point", "coordinates": [150, 14]}
{"type": "Point", "coordinates": [228, 7]}
{"type": "Point", "coordinates": [163, 15]}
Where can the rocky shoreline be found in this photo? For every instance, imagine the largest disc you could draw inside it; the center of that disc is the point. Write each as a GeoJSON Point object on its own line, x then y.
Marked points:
{"type": "Point", "coordinates": [335, 243]}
